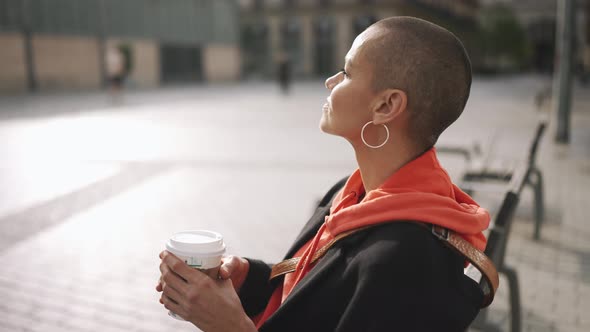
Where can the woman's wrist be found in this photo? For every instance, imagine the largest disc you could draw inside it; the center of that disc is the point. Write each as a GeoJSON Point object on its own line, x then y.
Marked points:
{"type": "Point", "coordinates": [247, 325]}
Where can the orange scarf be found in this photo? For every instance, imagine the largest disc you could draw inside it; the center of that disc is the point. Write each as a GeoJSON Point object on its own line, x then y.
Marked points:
{"type": "Point", "coordinates": [421, 190]}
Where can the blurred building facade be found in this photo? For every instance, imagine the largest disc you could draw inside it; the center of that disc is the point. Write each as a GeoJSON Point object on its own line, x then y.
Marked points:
{"type": "Point", "coordinates": [538, 18]}
{"type": "Point", "coordinates": [61, 44]}
{"type": "Point", "coordinates": [316, 34]}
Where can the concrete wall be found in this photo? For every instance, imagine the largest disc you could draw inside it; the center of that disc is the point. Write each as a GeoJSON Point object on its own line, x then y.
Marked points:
{"type": "Point", "coordinates": [13, 74]}
{"type": "Point", "coordinates": [221, 62]}
{"type": "Point", "coordinates": [66, 62]}
{"type": "Point", "coordinates": [146, 61]}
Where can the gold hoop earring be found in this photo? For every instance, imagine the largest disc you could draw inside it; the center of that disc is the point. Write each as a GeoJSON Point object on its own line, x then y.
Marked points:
{"type": "Point", "coordinates": [374, 146]}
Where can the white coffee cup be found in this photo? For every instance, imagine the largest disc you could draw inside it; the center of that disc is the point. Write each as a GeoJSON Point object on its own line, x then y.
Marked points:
{"type": "Point", "coordinates": [200, 249]}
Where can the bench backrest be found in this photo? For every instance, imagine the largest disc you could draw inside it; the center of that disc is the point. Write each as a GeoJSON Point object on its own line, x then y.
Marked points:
{"type": "Point", "coordinates": [535, 146]}
{"type": "Point", "coordinates": [498, 236]}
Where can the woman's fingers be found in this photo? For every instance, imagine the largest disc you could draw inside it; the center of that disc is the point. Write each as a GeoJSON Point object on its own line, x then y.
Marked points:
{"type": "Point", "coordinates": [210, 304]}
{"type": "Point", "coordinates": [159, 287]}
{"type": "Point", "coordinates": [173, 306]}
{"type": "Point", "coordinates": [171, 279]}
{"type": "Point", "coordinates": [234, 268]}
{"type": "Point", "coordinates": [179, 267]}
{"type": "Point", "coordinates": [172, 294]}
{"type": "Point", "coordinates": [228, 266]}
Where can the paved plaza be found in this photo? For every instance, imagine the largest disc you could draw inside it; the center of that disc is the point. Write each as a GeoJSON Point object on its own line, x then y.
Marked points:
{"type": "Point", "coordinates": [90, 189]}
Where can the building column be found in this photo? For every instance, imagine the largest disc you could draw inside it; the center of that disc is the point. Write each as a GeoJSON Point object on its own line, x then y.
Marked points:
{"type": "Point", "coordinates": [28, 36]}
{"type": "Point", "coordinates": [586, 40]}
{"type": "Point", "coordinates": [102, 50]}
{"type": "Point", "coordinates": [221, 62]}
{"type": "Point", "coordinates": [13, 64]}
{"type": "Point", "coordinates": [274, 35]}
{"type": "Point", "coordinates": [562, 81]}
{"type": "Point", "coordinates": [307, 44]}
{"type": "Point", "coordinates": [66, 62]}
{"type": "Point", "coordinates": [344, 38]}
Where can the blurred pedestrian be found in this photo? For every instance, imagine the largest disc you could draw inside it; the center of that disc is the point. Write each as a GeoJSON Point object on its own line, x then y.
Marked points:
{"type": "Point", "coordinates": [115, 68]}
{"type": "Point", "coordinates": [284, 72]}
{"type": "Point", "coordinates": [369, 259]}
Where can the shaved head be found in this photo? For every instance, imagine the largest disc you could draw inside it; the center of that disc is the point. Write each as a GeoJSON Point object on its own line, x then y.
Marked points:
{"type": "Point", "coordinates": [429, 64]}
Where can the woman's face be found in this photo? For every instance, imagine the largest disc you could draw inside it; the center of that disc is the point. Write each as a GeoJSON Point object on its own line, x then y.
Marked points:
{"type": "Point", "coordinates": [348, 106]}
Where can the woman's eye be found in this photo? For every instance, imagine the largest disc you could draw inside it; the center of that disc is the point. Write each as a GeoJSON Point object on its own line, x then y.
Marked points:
{"type": "Point", "coordinates": [344, 72]}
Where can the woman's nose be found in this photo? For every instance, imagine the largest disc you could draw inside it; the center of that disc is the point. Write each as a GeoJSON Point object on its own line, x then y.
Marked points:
{"type": "Point", "coordinates": [332, 81]}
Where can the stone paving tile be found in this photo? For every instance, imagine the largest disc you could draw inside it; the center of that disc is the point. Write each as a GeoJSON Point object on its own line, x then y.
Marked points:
{"type": "Point", "coordinates": [19, 225]}
{"type": "Point", "coordinates": [14, 321]}
{"type": "Point", "coordinates": [113, 282]}
{"type": "Point", "coordinates": [25, 183]}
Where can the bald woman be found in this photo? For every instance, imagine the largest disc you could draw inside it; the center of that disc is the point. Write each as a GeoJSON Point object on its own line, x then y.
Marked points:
{"type": "Point", "coordinates": [404, 82]}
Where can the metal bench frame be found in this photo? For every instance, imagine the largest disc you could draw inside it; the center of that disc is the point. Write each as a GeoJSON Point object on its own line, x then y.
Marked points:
{"type": "Point", "coordinates": [524, 174]}
{"type": "Point", "coordinates": [496, 249]}
{"type": "Point", "coordinates": [483, 179]}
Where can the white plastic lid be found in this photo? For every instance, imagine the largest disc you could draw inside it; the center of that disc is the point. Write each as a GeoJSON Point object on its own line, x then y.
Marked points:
{"type": "Point", "coordinates": [196, 242]}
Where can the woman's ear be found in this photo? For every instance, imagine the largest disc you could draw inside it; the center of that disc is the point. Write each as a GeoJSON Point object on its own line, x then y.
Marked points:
{"type": "Point", "coordinates": [390, 104]}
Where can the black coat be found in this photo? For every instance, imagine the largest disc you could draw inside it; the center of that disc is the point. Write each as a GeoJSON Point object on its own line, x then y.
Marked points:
{"type": "Point", "coordinates": [392, 277]}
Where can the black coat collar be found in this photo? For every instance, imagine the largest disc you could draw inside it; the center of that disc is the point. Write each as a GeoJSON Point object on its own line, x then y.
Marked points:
{"type": "Point", "coordinates": [320, 271]}
{"type": "Point", "coordinates": [306, 285]}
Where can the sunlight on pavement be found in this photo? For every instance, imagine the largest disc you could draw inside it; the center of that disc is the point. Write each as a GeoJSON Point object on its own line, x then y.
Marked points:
{"type": "Point", "coordinates": [26, 183]}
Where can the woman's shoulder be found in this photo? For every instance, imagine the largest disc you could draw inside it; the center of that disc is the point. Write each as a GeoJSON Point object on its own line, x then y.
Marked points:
{"type": "Point", "coordinates": [409, 245]}
{"type": "Point", "coordinates": [408, 254]}
{"type": "Point", "coordinates": [401, 237]}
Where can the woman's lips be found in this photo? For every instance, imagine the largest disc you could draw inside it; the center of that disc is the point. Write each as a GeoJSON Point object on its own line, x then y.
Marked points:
{"type": "Point", "coordinates": [327, 104]}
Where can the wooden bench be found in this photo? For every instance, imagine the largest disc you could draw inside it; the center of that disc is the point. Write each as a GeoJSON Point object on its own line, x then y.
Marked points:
{"type": "Point", "coordinates": [481, 177]}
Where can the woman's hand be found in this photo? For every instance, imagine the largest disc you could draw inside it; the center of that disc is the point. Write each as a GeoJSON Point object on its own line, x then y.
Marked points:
{"type": "Point", "coordinates": [211, 304]}
{"type": "Point", "coordinates": [234, 268]}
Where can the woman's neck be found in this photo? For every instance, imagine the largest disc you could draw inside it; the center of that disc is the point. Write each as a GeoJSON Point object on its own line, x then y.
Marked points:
{"type": "Point", "coordinates": [377, 165]}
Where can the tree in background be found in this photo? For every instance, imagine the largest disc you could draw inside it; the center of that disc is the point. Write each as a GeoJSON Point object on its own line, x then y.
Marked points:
{"type": "Point", "coordinates": [503, 40]}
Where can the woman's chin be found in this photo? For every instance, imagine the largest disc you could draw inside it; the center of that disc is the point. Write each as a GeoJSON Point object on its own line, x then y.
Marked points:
{"type": "Point", "coordinates": [324, 126]}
